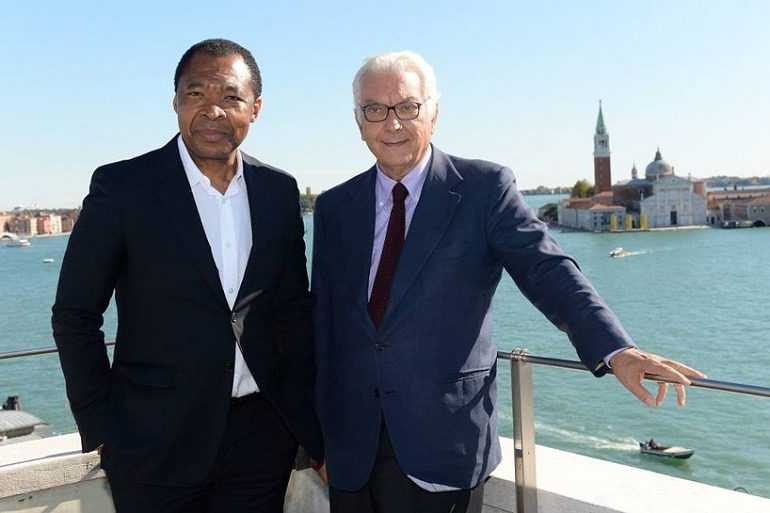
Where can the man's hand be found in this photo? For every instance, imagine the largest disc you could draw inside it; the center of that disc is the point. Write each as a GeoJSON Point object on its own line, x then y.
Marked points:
{"type": "Point", "coordinates": [321, 469]}
{"type": "Point", "coordinates": [630, 366]}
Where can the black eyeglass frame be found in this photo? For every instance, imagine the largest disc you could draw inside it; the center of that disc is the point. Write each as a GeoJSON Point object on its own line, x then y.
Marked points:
{"type": "Point", "coordinates": [393, 108]}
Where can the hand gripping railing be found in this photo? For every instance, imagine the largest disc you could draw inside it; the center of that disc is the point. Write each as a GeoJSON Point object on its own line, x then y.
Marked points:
{"type": "Point", "coordinates": [524, 419]}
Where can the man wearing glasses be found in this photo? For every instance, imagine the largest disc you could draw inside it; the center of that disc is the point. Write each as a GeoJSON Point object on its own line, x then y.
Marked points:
{"type": "Point", "coordinates": [406, 259]}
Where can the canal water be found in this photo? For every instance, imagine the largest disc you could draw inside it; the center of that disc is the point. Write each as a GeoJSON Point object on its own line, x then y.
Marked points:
{"type": "Point", "coordinates": [699, 296]}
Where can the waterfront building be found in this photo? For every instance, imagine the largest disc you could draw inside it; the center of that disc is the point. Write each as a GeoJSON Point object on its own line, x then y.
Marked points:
{"type": "Point", "coordinates": [661, 197]}
{"type": "Point", "coordinates": [4, 219]}
{"type": "Point", "coordinates": [759, 211]}
{"type": "Point", "coordinates": [49, 224]}
{"type": "Point", "coordinates": [43, 224]}
{"type": "Point", "coordinates": [659, 200]}
{"type": "Point", "coordinates": [22, 225]}
{"type": "Point", "coordinates": [739, 205]}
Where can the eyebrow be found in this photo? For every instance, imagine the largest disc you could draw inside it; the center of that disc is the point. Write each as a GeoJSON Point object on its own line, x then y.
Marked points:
{"type": "Point", "coordinates": [230, 87]}
{"type": "Point", "coordinates": [193, 84]}
{"type": "Point", "coordinates": [375, 102]}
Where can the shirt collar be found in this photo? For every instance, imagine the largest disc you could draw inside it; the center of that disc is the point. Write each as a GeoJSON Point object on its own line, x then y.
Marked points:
{"type": "Point", "coordinates": [193, 172]}
{"type": "Point", "coordinates": [413, 181]}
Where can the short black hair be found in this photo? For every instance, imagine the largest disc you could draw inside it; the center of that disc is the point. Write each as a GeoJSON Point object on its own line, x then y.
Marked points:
{"type": "Point", "coordinates": [221, 48]}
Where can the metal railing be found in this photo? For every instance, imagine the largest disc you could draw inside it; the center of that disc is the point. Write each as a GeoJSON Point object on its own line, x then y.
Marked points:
{"type": "Point", "coordinates": [524, 419]}
{"type": "Point", "coordinates": [523, 409]}
{"type": "Point", "coordinates": [37, 351]}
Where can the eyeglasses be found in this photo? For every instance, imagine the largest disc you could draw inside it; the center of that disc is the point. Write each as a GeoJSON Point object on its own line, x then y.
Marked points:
{"type": "Point", "coordinates": [405, 111]}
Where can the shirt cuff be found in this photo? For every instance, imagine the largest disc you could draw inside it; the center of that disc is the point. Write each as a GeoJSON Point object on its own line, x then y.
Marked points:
{"type": "Point", "coordinates": [612, 354]}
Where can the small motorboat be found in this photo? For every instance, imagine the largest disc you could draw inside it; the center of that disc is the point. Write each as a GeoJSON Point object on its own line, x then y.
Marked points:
{"type": "Point", "coordinates": [19, 426]}
{"type": "Point", "coordinates": [654, 449]}
{"type": "Point", "coordinates": [48, 260]}
{"type": "Point", "coordinates": [17, 243]}
{"type": "Point", "coordinates": [618, 252]}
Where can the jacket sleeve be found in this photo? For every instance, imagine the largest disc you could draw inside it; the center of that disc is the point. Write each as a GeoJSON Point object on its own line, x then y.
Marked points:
{"type": "Point", "coordinates": [88, 275]}
{"type": "Point", "coordinates": [320, 294]}
{"type": "Point", "coordinates": [550, 279]}
{"type": "Point", "coordinates": [294, 326]}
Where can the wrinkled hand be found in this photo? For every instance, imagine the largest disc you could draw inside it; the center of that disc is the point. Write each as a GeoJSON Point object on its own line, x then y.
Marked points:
{"type": "Point", "coordinates": [321, 469]}
{"type": "Point", "coordinates": [630, 366]}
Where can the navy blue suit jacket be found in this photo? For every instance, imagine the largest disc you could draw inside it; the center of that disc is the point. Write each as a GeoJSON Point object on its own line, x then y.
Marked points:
{"type": "Point", "coordinates": [160, 409]}
{"type": "Point", "coordinates": [429, 369]}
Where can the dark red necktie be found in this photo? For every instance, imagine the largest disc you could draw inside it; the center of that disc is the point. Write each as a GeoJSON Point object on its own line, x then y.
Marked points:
{"type": "Point", "coordinates": [391, 249]}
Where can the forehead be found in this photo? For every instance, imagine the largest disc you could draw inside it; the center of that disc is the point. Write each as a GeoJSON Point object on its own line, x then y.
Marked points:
{"type": "Point", "coordinates": [230, 70]}
{"type": "Point", "coordinates": [391, 86]}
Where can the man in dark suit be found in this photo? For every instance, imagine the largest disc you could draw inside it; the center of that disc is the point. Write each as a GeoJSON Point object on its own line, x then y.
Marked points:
{"type": "Point", "coordinates": [406, 259]}
{"type": "Point", "coordinates": [211, 385]}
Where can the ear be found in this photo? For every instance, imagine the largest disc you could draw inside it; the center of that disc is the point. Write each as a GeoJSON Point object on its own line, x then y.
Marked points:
{"type": "Point", "coordinates": [434, 118]}
{"type": "Point", "coordinates": [359, 122]}
{"type": "Point", "coordinates": [255, 109]}
{"type": "Point", "coordinates": [173, 102]}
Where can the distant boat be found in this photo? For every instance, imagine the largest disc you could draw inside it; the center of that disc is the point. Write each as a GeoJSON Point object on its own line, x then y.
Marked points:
{"type": "Point", "coordinates": [17, 243]}
{"type": "Point", "coordinates": [618, 252]}
{"type": "Point", "coordinates": [17, 425]}
{"type": "Point", "coordinates": [48, 260]}
{"type": "Point", "coordinates": [664, 451]}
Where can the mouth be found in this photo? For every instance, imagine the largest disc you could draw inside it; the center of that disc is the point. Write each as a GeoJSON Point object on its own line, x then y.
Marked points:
{"type": "Point", "coordinates": [211, 134]}
{"type": "Point", "coordinates": [394, 144]}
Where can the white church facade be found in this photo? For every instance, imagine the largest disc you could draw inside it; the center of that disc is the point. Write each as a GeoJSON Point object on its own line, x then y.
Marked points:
{"type": "Point", "coordinates": [659, 200]}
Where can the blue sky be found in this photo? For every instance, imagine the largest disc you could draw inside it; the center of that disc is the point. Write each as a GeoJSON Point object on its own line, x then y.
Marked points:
{"type": "Point", "coordinates": [85, 83]}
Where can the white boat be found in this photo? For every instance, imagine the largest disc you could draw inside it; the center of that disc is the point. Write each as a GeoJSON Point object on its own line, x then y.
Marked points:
{"type": "Point", "coordinates": [48, 260]}
{"type": "Point", "coordinates": [17, 243]}
{"type": "Point", "coordinates": [19, 426]}
{"type": "Point", "coordinates": [654, 449]}
{"type": "Point", "coordinates": [618, 252]}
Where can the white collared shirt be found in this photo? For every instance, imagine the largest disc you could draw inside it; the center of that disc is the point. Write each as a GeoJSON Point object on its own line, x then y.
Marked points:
{"type": "Point", "coordinates": [226, 220]}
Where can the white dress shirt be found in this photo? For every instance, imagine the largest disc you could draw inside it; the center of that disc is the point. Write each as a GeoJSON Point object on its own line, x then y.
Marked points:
{"type": "Point", "coordinates": [226, 220]}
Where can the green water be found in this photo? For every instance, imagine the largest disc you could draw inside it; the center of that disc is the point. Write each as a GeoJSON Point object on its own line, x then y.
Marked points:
{"type": "Point", "coordinates": [698, 296]}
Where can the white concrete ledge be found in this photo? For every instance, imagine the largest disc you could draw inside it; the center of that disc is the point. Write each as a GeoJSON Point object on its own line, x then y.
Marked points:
{"type": "Point", "coordinates": [52, 476]}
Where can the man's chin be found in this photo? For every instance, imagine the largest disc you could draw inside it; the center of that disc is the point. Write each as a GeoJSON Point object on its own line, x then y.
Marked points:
{"type": "Point", "coordinates": [213, 151]}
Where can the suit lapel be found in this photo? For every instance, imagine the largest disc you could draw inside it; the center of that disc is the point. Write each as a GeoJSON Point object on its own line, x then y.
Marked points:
{"type": "Point", "coordinates": [356, 238]}
{"type": "Point", "coordinates": [175, 196]}
{"type": "Point", "coordinates": [260, 206]}
{"type": "Point", "coordinates": [432, 216]}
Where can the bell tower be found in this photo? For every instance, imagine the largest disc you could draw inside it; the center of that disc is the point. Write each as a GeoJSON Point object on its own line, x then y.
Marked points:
{"type": "Point", "coordinates": [602, 175]}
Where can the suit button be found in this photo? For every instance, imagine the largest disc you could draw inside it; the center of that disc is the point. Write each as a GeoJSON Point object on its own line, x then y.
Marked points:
{"type": "Point", "coordinates": [228, 366]}
{"type": "Point", "coordinates": [234, 318]}
{"type": "Point", "coordinates": [376, 392]}
{"type": "Point", "coordinates": [379, 346]}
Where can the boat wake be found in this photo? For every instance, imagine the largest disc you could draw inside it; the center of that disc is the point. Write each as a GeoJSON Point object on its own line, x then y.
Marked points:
{"type": "Point", "coordinates": [623, 444]}
{"type": "Point", "coordinates": [622, 253]}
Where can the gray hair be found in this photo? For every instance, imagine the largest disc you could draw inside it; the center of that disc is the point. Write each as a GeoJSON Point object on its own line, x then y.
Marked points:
{"type": "Point", "coordinates": [398, 62]}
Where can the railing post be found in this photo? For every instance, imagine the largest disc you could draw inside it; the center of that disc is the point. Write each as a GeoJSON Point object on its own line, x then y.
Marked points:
{"type": "Point", "coordinates": [523, 432]}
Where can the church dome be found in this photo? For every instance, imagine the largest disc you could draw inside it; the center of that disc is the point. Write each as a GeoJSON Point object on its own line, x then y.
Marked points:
{"type": "Point", "coordinates": [658, 168]}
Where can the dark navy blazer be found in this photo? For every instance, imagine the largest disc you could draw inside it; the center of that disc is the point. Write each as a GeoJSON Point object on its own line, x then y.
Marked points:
{"type": "Point", "coordinates": [160, 409]}
{"type": "Point", "coordinates": [429, 370]}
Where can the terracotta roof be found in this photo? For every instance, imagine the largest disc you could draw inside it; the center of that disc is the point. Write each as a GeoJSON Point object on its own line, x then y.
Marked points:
{"type": "Point", "coordinates": [762, 200]}
{"type": "Point", "coordinates": [579, 203]}
{"type": "Point", "coordinates": [599, 206]}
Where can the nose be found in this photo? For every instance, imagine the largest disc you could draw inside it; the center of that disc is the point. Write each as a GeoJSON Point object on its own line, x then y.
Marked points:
{"type": "Point", "coordinates": [391, 121]}
{"type": "Point", "coordinates": [213, 111]}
